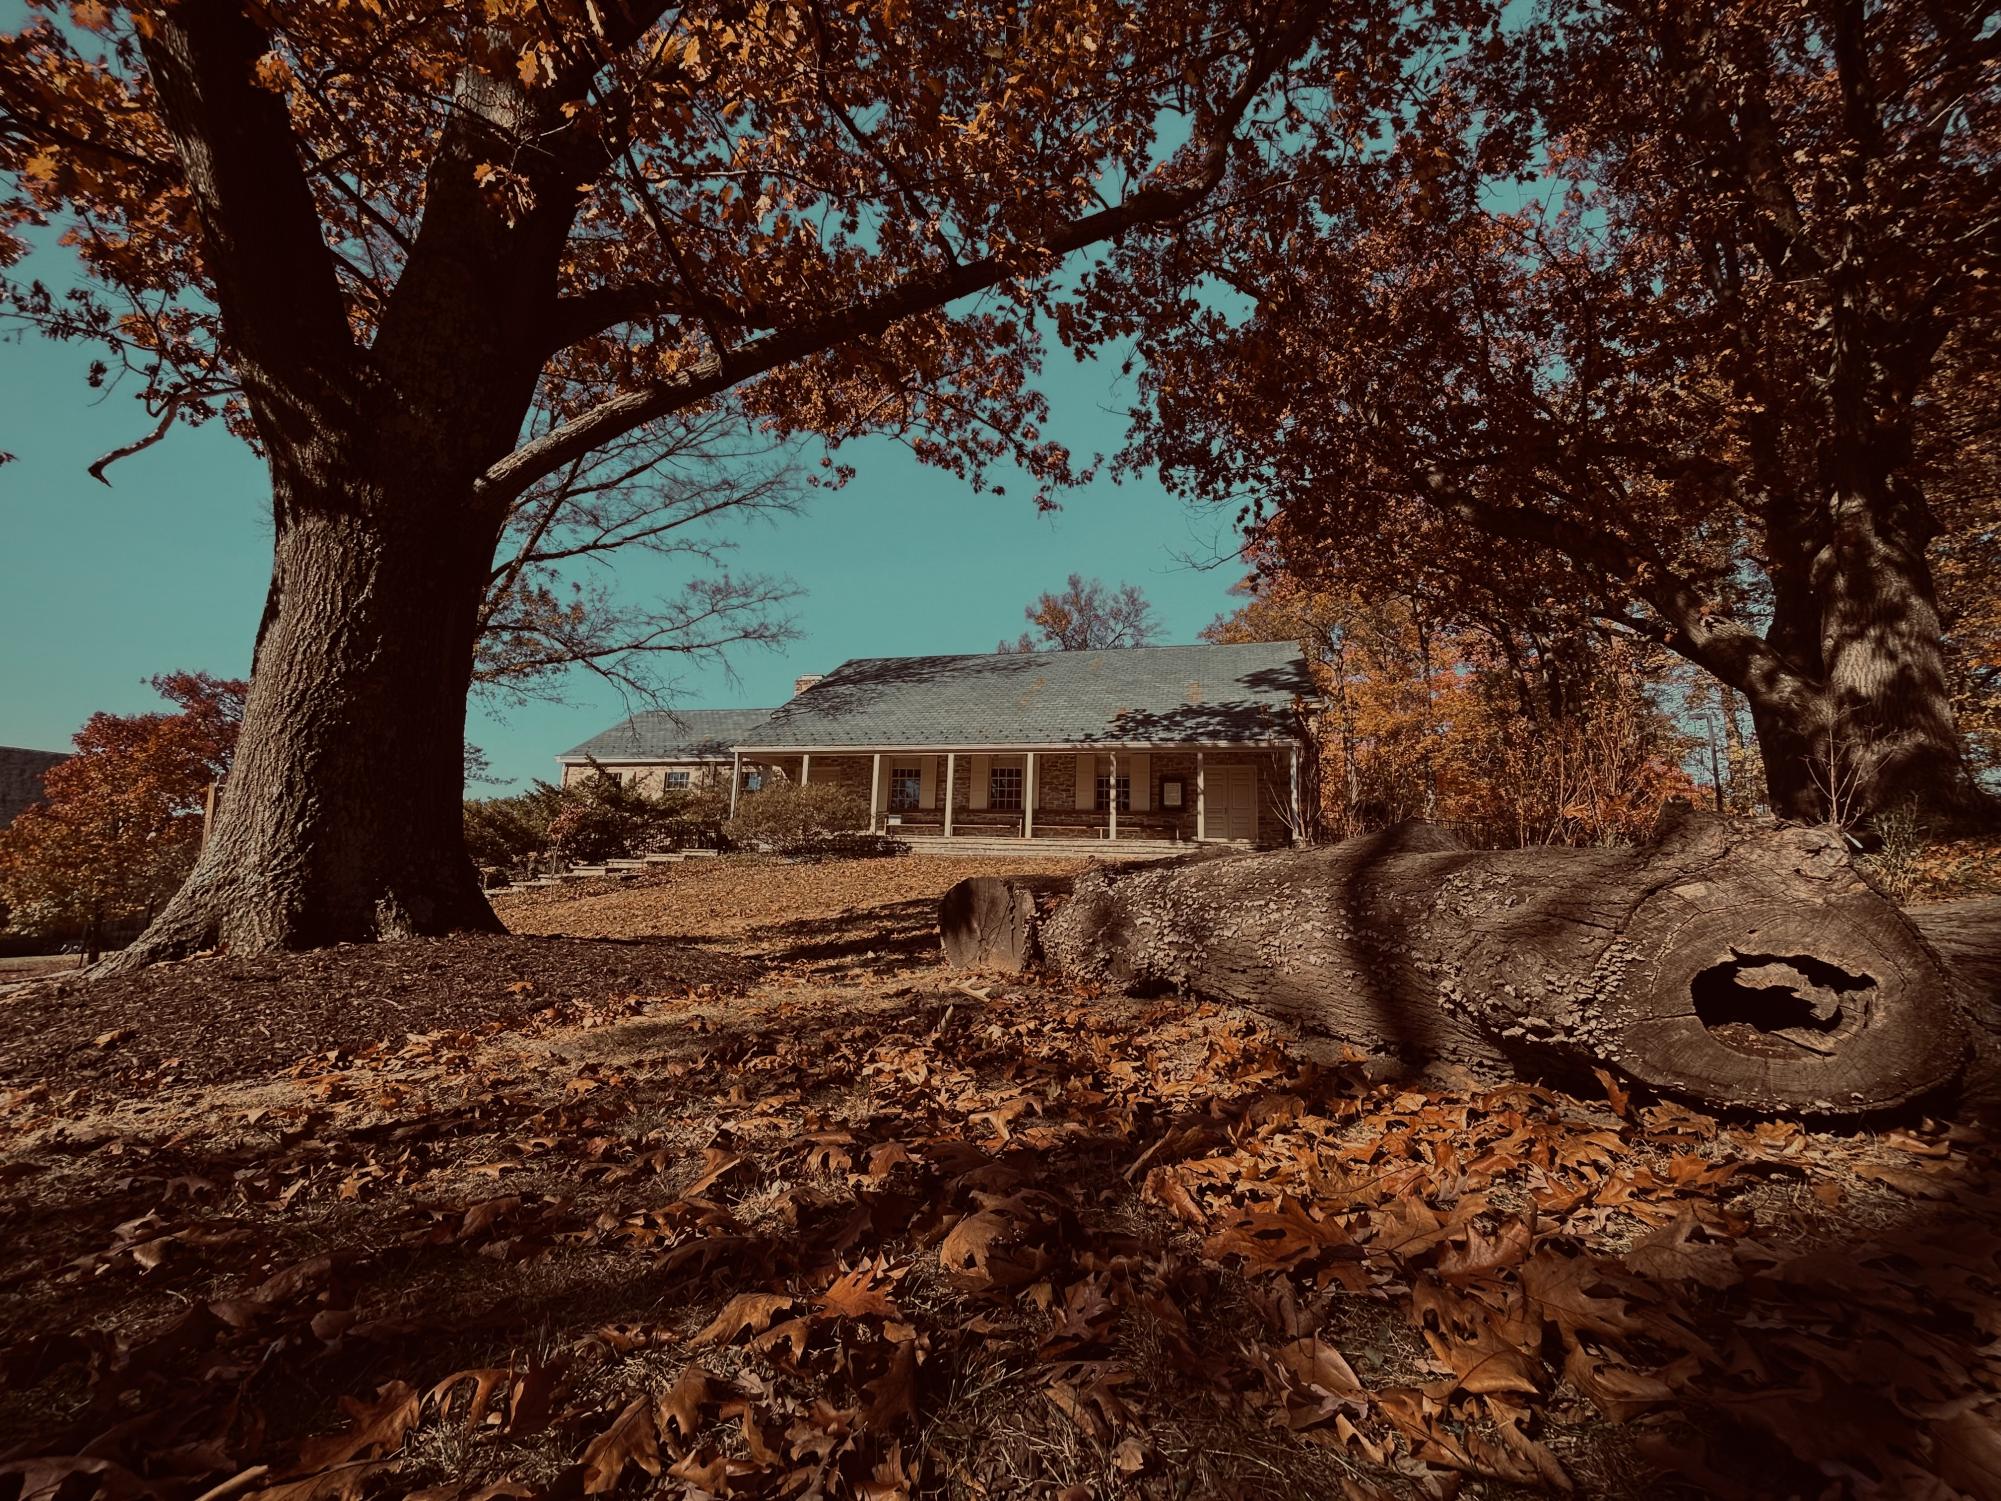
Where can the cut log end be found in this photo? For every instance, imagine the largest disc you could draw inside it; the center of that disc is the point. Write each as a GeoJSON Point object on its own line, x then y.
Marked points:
{"type": "Point", "coordinates": [1831, 1007]}
{"type": "Point", "coordinates": [988, 924]}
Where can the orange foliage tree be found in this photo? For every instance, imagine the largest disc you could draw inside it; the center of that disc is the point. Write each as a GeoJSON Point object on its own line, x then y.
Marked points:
{"type": "Point", "coordinates": [120, 821]}
{"type": "Point", "coordinates": [426, 257]}
{"type": "Point", "coordinates": [1512, 734]}
{"type": "Point", "coordinates": [1645, 308]}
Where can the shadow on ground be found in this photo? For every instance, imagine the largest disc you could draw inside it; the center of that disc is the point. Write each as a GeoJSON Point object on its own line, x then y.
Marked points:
{"type": "Point", "coordinates": [863, 1232]}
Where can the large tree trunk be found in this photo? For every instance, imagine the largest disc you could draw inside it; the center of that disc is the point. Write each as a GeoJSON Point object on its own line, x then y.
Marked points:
{"type": "Point", "coordinates": [341, 818]}
{"type": "Point", "coordinates": [1890, 713]}
{"type": "Point", "coordinates": [1739, 964]}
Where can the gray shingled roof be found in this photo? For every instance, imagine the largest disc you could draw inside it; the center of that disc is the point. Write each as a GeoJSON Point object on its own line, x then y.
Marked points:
{"type": "Point", "coordinates": [1143, 695]}
{"type": "Point", "coordinates": [672, 735]}
{"type": "Point", "coordinates": [21, 778]}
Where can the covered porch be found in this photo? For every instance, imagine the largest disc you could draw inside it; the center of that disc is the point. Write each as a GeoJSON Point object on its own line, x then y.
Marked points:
{"type": "Point", "coordinates": [1158, 795]}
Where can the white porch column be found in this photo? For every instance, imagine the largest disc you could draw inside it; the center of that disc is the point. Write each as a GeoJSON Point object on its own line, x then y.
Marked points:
{"type": "Point", "coordinates": [805, 768]}
{"type": "Point", "coordinates": [951, 767]}
{"type": "Point", "coordinates": [1295, 796]}
{"type": "Point", "coordinates": [1201, 800]}
{"type": "Point", "coordinates": [1112, 797]}
{"type": "Point", "coordinates": [736, 778]}
{"type": "Point", "coordinates": [875, 792]}
{"type": "Point", "coordinates": [1028, 795]}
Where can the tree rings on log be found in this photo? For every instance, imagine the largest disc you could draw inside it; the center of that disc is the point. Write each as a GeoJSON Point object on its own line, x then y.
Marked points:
{"type": "Point", "coordinates": [989, 923]}
{"type": "Point", "coordinates": [1834, 1007]}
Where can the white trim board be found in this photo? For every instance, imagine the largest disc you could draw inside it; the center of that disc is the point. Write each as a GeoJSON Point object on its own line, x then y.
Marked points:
{"type": "Point", "coordinates": [1078, 747]}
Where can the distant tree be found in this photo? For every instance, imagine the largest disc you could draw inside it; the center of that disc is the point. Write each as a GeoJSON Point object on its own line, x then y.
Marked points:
{"type": "Point", "coordinates": [120, 822]}
{"type": "Point", "coordinates": [1518, 730]}
{"type": "Point", "coordinates": [1087, 617]}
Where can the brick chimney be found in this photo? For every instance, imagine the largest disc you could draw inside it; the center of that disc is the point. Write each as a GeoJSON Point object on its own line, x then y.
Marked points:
{"type": "Point", "coordinates": [800, 685]}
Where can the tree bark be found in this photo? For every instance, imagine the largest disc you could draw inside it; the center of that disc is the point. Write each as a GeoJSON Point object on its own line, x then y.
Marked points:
{"type": "Point", "coordinates": [341, 819]}
{"type": "Point", "coordinates": [1739, 964]}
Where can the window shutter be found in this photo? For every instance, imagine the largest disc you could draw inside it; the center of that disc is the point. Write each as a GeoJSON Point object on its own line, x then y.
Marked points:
{"type": "Point", "coordinates": [927, 782]}
{"type": "Point", "coordinates": [1142, 780]}
{"type": "Point", "coordinates": [1087, 783]}
{"type": "Point", "coordinates": [982, 769]}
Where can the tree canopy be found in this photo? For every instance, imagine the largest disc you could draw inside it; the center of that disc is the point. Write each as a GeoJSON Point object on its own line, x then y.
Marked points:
{"type": "Point", "coordinates": [715, 193]}
{"type": "Point", "coordinates": [1641, 311]}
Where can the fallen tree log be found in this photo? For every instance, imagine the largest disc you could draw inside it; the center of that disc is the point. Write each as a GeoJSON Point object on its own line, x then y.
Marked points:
{"type": "Point", "coordinates": [1735, 963]}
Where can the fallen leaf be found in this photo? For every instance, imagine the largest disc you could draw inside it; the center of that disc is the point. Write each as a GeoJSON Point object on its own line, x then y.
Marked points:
{"type": "Point", "coordinates": [1617, 1391]}
{"type": "Point", "coordinates": [1672, 1254]}
{"type": "Point", "coordinates": [377, 1428]}
{"type": "Point", "coordinates": [1966, 1452]}
{"type": "Point", "coordinates": [630, 1440]}
{"type": "Point", "coordinates": [752, 1311]}
{"type": "Point", "coordinates": [681, 1406]}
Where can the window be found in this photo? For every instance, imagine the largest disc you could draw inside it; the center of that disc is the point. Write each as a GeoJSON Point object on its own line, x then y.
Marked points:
{"type": "Point", "coordinates": [677, 779]}
{"type": "Point", "coordinates": [1125, 793]}
{"type": "Point", "coordinates": [1004, 789]}
{"type": "Point", "coordinates": [752, 780]}
{"type": "Point", "coordinates": [906, 787]}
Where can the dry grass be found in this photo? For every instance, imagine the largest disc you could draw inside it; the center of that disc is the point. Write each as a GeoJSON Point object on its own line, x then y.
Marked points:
{"type": "Point", "coordinates": [739, 895]}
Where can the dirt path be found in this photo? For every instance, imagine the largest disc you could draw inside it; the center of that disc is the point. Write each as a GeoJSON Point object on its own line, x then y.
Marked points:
{"type": "Point", "coordinates": [856, 1227]}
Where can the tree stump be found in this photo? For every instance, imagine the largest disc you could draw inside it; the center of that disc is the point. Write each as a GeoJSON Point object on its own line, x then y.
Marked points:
{"type": "Point", "coordinates": [1738, 964]}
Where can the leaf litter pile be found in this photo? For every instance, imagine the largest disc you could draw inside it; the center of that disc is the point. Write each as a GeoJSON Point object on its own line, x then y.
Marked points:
{"type": "Point", "coordinates": [866, 1232]}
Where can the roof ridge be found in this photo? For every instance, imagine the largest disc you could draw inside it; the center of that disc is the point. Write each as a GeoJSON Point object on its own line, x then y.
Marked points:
{"type": "Point", "coordinates": [1058, 651]}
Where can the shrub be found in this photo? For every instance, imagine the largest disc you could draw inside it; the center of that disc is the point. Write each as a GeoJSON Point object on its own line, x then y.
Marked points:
{"type": "Point", "coordinates": [505, 830]}
{"type": "Point", "coordinates": [786, 813]}
{"type": "Point", "coordinates": [693, 818]}
{"type": "Point", "coordinates": [595, 819]}
{"type": "Point", "coordinates": [593, 830]}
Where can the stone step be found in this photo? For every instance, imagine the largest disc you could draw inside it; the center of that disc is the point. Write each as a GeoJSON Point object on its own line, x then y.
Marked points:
{"type": "Point", "coordinates": [625, 864]}
{"type": "Point", "coordinates": [1051, 849]}
{"type": "Point", "coordinates": [661, 857]}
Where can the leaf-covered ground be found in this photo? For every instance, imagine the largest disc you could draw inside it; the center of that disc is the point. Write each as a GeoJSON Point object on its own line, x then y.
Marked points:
{"type": "Point", "coordinates": [861, 1231]}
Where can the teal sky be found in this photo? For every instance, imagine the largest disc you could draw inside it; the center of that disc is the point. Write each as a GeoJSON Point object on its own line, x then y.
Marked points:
{"type": "Point", "coordinates": [100, 588]}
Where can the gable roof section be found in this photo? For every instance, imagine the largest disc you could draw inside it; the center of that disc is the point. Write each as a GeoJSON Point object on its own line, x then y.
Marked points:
{"type": "Point", "coordinates": [1139, 695]}
{"type": "Point", "coordinates": [21, 773]}
{"type": "Point", "coordinates": [672, 735]}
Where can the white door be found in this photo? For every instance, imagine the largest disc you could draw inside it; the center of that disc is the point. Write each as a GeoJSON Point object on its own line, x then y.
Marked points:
{"type": "Point", "coordinates": [1233, 803]}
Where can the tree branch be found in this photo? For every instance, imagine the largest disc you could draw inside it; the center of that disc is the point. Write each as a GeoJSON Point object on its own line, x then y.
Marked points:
{"type": "Point", "coordinates": [918, 293]}
{"type": "Point", "coordinates": [274, 277]}
{"type": "Point", "coordinates": [1731, 651]}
